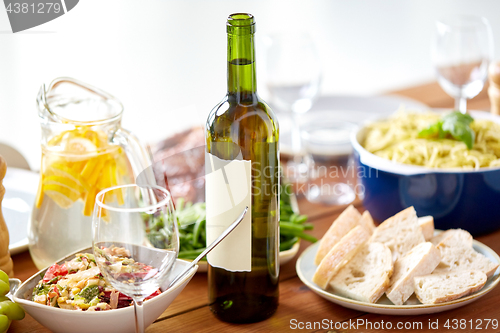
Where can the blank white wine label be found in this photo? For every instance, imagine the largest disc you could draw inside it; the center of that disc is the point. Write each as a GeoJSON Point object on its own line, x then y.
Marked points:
{"type": "Point", "coordinates": [228, 192]}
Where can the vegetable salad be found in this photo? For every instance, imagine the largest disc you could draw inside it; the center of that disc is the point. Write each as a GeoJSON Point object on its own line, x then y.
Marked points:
{"type": "Point", "coordinates": [79, 285]}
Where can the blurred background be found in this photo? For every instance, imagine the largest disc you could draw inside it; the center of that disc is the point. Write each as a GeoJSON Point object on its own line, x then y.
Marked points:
{"type": "Point", "coordinates": [166, 60]}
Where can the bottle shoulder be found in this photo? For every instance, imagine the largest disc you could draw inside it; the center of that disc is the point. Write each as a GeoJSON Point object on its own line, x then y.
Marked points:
{"type": "Point", "coordinates": [251, 113]}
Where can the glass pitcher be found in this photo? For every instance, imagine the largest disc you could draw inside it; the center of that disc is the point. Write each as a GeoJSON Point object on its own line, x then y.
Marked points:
{"type": "Point", "coordinates": [84, 150]}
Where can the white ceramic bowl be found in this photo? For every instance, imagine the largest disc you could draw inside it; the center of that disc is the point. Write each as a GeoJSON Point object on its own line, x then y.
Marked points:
{"type": "Point", "coordinates": [456, 198]}
{"type": "Point", "coordinates": [118, 320]}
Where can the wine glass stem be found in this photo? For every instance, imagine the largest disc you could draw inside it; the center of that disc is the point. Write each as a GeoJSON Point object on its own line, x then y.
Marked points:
{"type": "Point", "coordinates": [296, 140]}
{"type": "Point", "coordinates": [139, 316]}
{"type": "Point", "coordinates": [461, 104]}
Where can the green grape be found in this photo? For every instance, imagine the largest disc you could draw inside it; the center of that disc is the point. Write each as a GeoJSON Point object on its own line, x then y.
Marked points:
{"type": "Point", "coordinates": [16, 311]}
{"type": "Point", "coordinates": [4, 283]}
{"type": "Point", "coordinates": [4, 323]}
{"type": "Point", "coordinates": [4, 287]}
{"type": "Point", "coordinates": [5, 308]}
{"type": "Point", "coordinates": [4, 277]}
{"type": "Point", "coordinates": [12, 310]}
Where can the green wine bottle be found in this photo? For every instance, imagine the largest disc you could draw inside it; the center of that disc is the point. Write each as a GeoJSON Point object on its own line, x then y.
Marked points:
{"type": "Point", "coordinates": [242, 169]}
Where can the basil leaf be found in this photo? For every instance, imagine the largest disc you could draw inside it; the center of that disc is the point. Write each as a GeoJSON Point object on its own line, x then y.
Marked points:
{"type": "Point", "coordinates": [457, 117]}
{"type": "Point", "coordinates": [461, 132]}
{"type": "Point", "coordinates": [468, 137]}
{"type": "Point", "coordinates": [432, 131]}
{"type": "Point", "coordinates": [454, 124]}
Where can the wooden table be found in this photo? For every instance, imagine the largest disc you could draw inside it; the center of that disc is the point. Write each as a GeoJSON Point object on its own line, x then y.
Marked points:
{"type": "Point", "coordinates": [190, 312]}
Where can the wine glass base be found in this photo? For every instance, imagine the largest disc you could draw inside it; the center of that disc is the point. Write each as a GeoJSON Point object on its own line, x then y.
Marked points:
{"type": "Point", "coordinates": [331, 194]}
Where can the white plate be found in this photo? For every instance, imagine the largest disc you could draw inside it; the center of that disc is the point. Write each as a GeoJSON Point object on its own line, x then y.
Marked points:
{"type": "Point", "coordinates": [20, 192]}
{"type": "Point", "coordinates": [285, 256]}
{"type": "Point", "coordinates": [306, 268]}
{"type": "Point", "coordinates": [355, 109]}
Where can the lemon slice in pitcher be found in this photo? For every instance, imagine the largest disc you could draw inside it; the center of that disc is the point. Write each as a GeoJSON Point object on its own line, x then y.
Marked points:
{"type": "Point", "coordinates": [77, 148]}
{"type": "Point", "coordinates": [80, 146]}
{"type": "Point", "coordinates": [65, 181]}
{"type": "Point", "coordinates": [65, 175]}
{"type": "Point", "coordinates": [83, 165]}
{"type": "Point", "coordinates": [62, 195]}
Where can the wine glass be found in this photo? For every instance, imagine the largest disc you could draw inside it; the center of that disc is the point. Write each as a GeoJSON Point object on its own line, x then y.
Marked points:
{"type": "Point", "coordinates": [123, 253]}
{"type": "Point", "coordinates": [332, 171]}
{"type": "Point", "coordinates": [461, 51]}
{"type": "Point", "coordinates": [293, 80]}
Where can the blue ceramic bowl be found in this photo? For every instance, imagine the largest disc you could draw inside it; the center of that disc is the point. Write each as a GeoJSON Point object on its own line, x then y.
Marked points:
{"type": "Point", "coordinates": [457, 199]}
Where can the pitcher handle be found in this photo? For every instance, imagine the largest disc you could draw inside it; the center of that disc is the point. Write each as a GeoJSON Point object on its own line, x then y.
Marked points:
{"type": "Point", "coordinates": [139, 159]}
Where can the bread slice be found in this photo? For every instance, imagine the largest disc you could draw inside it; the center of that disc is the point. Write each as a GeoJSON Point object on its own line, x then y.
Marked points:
{"type": "Point", "coordinates": [421, 260]}
{"type": "Point", "coordinates": [458, 257]}
{"type": "Point", "coordinates": [366, 221]}
{"type": "Point", "coordinates": [339, 255]}
{"type": "Point", "coordinates": [400, 233]}
{"type": "Point", "coordinates": [366, 276]}
{"type": "Point", "coordinates": [426, 223]}
{"type": "Point", "coordinates": [346, 221]}
{"type": "Point", "coordinates": [445, 287]}
{"type": "Point", "coordinates": [455, 237]}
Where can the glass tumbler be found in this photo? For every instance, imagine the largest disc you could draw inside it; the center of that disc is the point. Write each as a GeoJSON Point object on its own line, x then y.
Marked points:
{"type": "Point", "coordinates": [332, 172]}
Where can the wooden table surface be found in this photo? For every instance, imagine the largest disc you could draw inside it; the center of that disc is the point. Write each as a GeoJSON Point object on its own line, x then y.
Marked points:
{"type": "Point", "coordinates": [190, 312]}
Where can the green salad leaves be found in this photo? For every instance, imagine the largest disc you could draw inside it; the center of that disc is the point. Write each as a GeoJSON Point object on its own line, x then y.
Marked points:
{"type": "Point", "coordinates": [454, 125]}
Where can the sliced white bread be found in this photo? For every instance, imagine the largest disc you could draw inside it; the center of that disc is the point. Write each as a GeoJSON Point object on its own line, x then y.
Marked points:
{"type": "Point", "coordinates": [366, 276]}
{"type": "Point", "coordinates": [445, 287]}
{"type": "Point", "coordinates": [346, 221]}
{"type": "Point", "coordinates": [458, 257]}
{"type": "Point", "coordinates": [339, 255]}
{"type": "Point", "coordinates": [366, 221]}
{"type": "Point", "coordinates": [454, 237]}
{"type": "Point", "coordinates": [421, 260]}
{"type": "Point", "coordinates": [426, 223]}
{"type": "Point", "coordinates": [400, 233]}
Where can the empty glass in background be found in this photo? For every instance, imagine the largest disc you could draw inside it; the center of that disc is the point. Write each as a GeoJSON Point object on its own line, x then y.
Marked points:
{"type": "Point", "coordinates": [332, 173]}
{"type": "Point", "coordinates": [120, 219]}
{"type": "Point", "coordinates": [461, 51]}
{"type": "Point", "coordinates": [293, 80]}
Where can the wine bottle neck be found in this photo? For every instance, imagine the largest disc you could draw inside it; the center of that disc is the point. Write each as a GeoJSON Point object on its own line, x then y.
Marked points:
{"type": "Point", "coordinates": [241, 77]}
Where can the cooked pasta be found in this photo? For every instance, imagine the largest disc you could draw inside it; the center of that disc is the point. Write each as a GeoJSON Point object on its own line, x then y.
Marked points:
{"type": "Point", "coordinates": [397, 139]}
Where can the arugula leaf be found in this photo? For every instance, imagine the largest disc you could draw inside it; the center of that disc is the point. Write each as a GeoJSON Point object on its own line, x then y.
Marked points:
{"type": "Point", "coordinates": [454, 124]}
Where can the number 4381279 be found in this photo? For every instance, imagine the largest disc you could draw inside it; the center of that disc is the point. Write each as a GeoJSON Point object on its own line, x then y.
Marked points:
{"type": "Point", "coordinates": [38, 8]}
{"type": "Point", "coordinates": [472, 324]}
